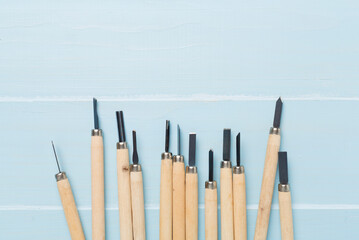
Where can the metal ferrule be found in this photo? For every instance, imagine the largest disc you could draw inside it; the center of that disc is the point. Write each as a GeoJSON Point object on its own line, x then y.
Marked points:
{"type": "Point", "coordinates": [238, 169]}
{"type": "Point", "coordinates": [178, 158]}
{"type": "Point", "coordinates": [226, 164]}
{"type": "Point", "coordinates": [275, 131]}
{"type": "Point", "coordinates": [121, 145]}
{"type": "Point", "coordinates": [135, 168]}
{"type": "Point", "coordinates": [210, 185]}
{"type": "Point", "coordinates": [283, 187]}
{"type": "Point", "coordinates": [60, 176]}
{"type": "Point", "coordinates": [166, 155]}
{"type": "Point", "coordinates": [96, 132]}
{"type": "Point", "coordinates": [191, 169]}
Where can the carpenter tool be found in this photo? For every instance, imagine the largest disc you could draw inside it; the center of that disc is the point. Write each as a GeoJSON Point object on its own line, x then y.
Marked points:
{"type": "Point", "coordinates": [239, 196]}
{"type": "Point", "coordinates": [179, 199]}
{"type": "Point", "coordinates": [166, 190]}
{"type": "Point", "coordinates": [270, 168]}
{"type": "Point", "coordinates": [226, 189]}
{"type": "Point", "coordinates": [97, 179]}
{"type": "Point", "coordinates": [68, 203]}
{"type": "Point", "coordinates": [285, 202]}
{"type": "Point", "coordinates": [210, 203]}
{"type": "Point", "coordinates": [138, 204]}
{"type": "Point", "coordinates": [123, 179]}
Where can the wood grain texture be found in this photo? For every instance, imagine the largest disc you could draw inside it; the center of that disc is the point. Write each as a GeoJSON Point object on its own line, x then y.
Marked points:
{"type": "Point", "coordinates": [239, 206]}
{"type": "Point", "coordinates": [226, 199]}
{"type": "Point", "coordinates": [124, 194]}
{"type": "Point", "coordinates": [138, 206]}
{"type": "Point", "coordinates": [191, 206]}
{"type": "Point", "coordinates": [97, 188]}
{"type": "Point", "coordinates": [166, 200]}
{"type": "Point", "coordinates": [265, 201]}
{"type": "Point", "coordinates": [211, 214]}
{"type": "Point", "coordinates": [286, 215]}
{"type": "Point", "coordinates": [70, 210]}
{"type": "Point", "coordinates": [179, 201]}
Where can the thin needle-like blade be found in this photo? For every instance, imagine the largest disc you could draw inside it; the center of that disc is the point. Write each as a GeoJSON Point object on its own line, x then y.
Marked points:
{"type": "Point", "coordinates": [135, 155]}
{"type": "Point", "coordinates": [178, 140]}
{"type": "Point", "coordinates": [57, 161]}
{"type": "Point", "coordinates": [283, 167]}
{"type": "Point", "coordinates": [95, 115]}
{"type": "Point", "coordinates": [210, 166]}
{"type": "Point", "coordinates": [192, 149]}
{"type": "Point", "coordinates": [238, 149]}
{"type": "Point", "coordinates": [120, 126]}
{"type": "Point", "coordinates": [167, 143]}
{"type": "Point", "coordinates": [278, 113]}
{"type": "Point", "coordinates": [226, 144]}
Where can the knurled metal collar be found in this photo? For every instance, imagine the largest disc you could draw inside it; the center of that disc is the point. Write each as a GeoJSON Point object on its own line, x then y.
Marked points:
{"type": "Point", "coordinates": [283, 187]}
{"type": "Point", "coordinates": [191, 169]}
{"type": "Point", "coordinates": [178, 158]}
{"type": "Point", "coordinates": [60, 176]}
{"type": "Point", "coordinates": [275, 131]}
{"type": "Point", "coordinates": [121, 145]}
{"type": "Point", "coordinates": [96, 132]}
{"type": "Point", "coordinates": [226, 164]}
{"type": "Point", "coordinates": [166, 155]}
{"type": "Point", "coordinates": [135, 168]}
{"type": "Point", "coordinates": [210, 185]}
{"type": "Point", "coordinates": [238, 169]}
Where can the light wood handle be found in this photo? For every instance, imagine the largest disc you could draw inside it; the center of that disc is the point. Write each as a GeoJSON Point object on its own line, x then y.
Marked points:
{"type": "Point", "coordinates": [265, 201]}
{"type": "Point", "coordinates": [98, 188]}
{"type": "Point", "coordinates": [166, 200]}
{"type": "Point", "coordinates": [226, 192]}
{"type": "Point", "coordinates": [124, 194]}
{"type": "Point", "coordinates": [191, 206]}
{"type": "Point", "coordinates": [70, 210]}
{"type": "Point", "coordinates": [179, 201]}
{"type": "Point", "coordinates": [210, 212]}
{"type": "Point", "coordinates": [286, 216]}
{"type": "Point", "coordinates": [240, 207]}
{"type": "Point", "coordinates": [138, 206]}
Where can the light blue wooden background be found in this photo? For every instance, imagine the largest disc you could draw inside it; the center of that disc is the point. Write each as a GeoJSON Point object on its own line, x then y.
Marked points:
{"type": "Point", "coordinates": [206, 65]}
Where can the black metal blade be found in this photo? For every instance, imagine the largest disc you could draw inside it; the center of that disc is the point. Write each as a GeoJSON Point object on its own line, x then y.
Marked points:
{"type": "Point", "coordinates": [278, 113]}
{"type": "Point", "coordinates": [95, 115]}
{"type": "Point", "coordinates": [192, 149]}
{"type": "Point", "coordinates": [226, 144]}
{"type": "Point", "coordinates": [134, 155]}
{"type": "Point", "coordinates": [178, 140]}
{"type": "Point", "coordinates": [120, 126]}
{"type": "Point", "coordinates": [238, 149]}
{"type": "Point", "coordinates": [210, 166]}
{"type": "Point", "coordinates": [283, 167]}
{"type": "Point", "coordinates": [167, 144]}
{"type": "Point", "coordinates": [57, 161]}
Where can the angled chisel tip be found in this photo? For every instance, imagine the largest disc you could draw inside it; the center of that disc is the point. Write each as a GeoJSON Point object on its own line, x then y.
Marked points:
{"type": "Point", "coordinates": [95, 114]}
{"type": "Point", "coordinates": [278, 113]}
{"type": "Point", "coordinates": [192, 149]}
{"type": "Point", "coordinates": [135, 154]}
{"type": "Point", "coordinates": [226, 144]}
{"type": "Point", "coordinates": [283, 167]}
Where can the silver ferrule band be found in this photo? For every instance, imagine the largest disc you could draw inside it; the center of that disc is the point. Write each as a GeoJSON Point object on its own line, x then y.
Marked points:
{"type": "Point", "coordinates": [210, 184]}
{"type": "Point", "coordinates": [283, 187]}
{"type": "Point", "coordinates": [191, 169]}
{"type": "Point", "coordinates": [238, 169]}
{"type": "Point", "coordinates": [178, 158]}
{"type": "Point", "coordinates": [226, 164]}
{"type": "Point", "coordinates": [96, 132]}
{"type": "Point", "coordinates": [166, 156]}
{"type": "Point", "coordinates": [121, 145]}
{"type": "Point", "coordinates": [135, 168]}
{"type": "Point", "coordinates": [275, 131]}
{"type": "Point", "coordinates": [60, 176]}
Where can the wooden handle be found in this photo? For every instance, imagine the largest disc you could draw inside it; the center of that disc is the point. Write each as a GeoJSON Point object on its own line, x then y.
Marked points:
{"type": "Point", "coordinates": [240, 207]}
{"type": "Point", "coordinates": [210, 212]}
{"type": "Point", "coordinates": [265, 201]}
{"type": "Point", "coordinates": [138, 206]}
{"type": "Point", "coordinates": [226, 204]}
{"type": "Point", "coordinates": [98, 188]}
{"type": "Point", "coordinates": [124, 194]}
{"type": "Point", "coordinates": [191, 206]}
{"type": "Point", "coordinates": [69, 206]}
{"type": "Point", "coordinates": [166, 200]}
{"type": "Point", "coordinates": [286, 217]}
{"type": "Point", "coordinates": [179, 201]}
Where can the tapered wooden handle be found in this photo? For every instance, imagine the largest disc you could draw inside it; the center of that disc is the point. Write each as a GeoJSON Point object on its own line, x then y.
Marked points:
{"type": "Point", "coordinates": [210, 213]}
{"type": "Point", "coordinates": [226, 194]}
{"type": "Point", "coordinates": [286, 216]}
{"type": "Point", "coordinates": [265, 201]}
{"type": "Point", "coordinates": [240, 207]}
{"type": "Point", "coordinates": [124, 194]}
{"type": "Point", "coordinates": [179, 201]}
{"type": "Point", "coordinates": [97, 188]}
{"type": "Point", "coordinates": [191, 206]}
{"type": "Point", "coordinates": [70, 210]}
{"type": "Point", "coordinates": [166, 200]}
{"type": "Point", "coordinates": [138, 206]}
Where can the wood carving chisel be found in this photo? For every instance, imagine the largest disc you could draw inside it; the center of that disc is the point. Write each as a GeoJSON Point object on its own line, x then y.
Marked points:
{"type": "Point", "coordinates": [166, 190]}
{"type": "Point", "coordinates": [192, 192]}
{"type": "Point", "coordinates": [210, 204]}
{"type": "Point", "coordinates": [97, 179]}
{"type": "Point", "coordinates": [179, 199]}
{"type": "Point", "coordinates": [239, 196]}
{"type": "Point", "coordinates": [123, 179]}
{"type": "Point", "coordinates": [270, 168]}
{"type": "Point", "coordinates": [285, 202]}
{"type": "Point", "coordinates": [68, 203]}
{"type": "Point", "coordinates": [138, 204]}
{"type": "Point", "coordinates": [226, 190]}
